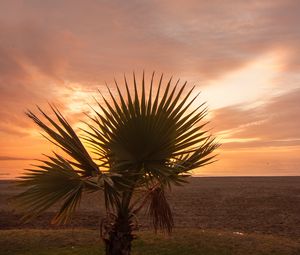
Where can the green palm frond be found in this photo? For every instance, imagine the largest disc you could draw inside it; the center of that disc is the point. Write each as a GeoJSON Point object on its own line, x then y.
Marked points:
{"type": "Point", "coordinates": [54, 180]}
{"type": "Point", "coordinates": [143, 135]}
{"type": "Point", "coordinates": [148, 137]}
{"type": "Point", "coordinates": [151, 139]}
{"type": "Point", "coordinates": [58, 179]}
{"type": "Point", "coordinates": [63, 136]}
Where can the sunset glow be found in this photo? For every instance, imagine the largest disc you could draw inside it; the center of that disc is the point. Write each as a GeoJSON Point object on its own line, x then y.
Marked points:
{"type": "Point", "coordinates": [243, 57]}
{"type": "Point", "coordinates": [248, 85]}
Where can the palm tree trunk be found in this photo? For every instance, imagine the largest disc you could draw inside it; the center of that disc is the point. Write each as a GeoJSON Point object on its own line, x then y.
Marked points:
{"type": "Point", "coordinates": [120, 238]}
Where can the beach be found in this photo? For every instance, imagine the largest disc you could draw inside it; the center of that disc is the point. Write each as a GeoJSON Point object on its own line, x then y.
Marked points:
{"type": "Point", "coordinates": [261, 205]}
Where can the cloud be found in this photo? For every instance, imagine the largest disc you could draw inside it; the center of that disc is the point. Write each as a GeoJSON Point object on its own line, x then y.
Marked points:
{"type": "Point", "coordinates": [12, 158]}
{"type": "Point", "coordinates": [48, 46]}
{"type": "Point", "coordinates": [31, 62]}
{"type": "Point", "coordinates": [207, 39]}
{"type": "Point", "coordinates": [276, 123]}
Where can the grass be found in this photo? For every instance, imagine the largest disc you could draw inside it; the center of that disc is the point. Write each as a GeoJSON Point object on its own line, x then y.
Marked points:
{"type": "Point", "coordinates": [182, 241]}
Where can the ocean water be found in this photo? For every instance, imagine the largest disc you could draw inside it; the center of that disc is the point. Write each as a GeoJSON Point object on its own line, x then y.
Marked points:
{"type": "Point", "coordinates": [12, 169]}
{"type": "Point", "coordinates": [228, 164]}
{"type": "Point", "coordinates": [252, 163]}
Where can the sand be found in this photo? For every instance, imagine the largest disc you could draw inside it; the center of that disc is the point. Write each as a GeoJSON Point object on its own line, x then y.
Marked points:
{"type": "Point", "coordinates": [265, 205]}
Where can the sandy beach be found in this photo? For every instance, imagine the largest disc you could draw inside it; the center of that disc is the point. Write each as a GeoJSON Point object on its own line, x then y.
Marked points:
{"type": "Point", "coordinates": [264, 205]}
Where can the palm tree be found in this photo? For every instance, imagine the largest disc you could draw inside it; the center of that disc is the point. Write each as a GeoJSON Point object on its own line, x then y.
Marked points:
{"type": "Point", "coordinates": [142, 143]}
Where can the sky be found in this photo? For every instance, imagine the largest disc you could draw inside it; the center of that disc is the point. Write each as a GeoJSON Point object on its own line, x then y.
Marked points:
{"type": "Point", "coordinates": [242, 55]}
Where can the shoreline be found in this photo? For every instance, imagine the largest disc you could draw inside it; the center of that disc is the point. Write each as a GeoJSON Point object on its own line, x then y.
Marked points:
{"type": "Point", "coordinates": [205, 176]}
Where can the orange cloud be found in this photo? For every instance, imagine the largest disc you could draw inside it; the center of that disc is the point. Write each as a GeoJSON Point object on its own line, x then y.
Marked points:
{"type": "Point", "coordinates": [276, 123]}
{"type": "Point", "coordinates": [61, 51]}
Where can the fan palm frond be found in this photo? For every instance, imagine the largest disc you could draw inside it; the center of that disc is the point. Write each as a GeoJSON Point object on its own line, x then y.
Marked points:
{"type": "Point", "coordinates": [63, 136]}
{"type": "Point", "coordinates": [147, 135]}
{"type": "Point", "coordinates": [159, 210]}
{"type": "Point", "coordinates": [144, 139]}
{"type": "Point", "coordinates": [54, 180]}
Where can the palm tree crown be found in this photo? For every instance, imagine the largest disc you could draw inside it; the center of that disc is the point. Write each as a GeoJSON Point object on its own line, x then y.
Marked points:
{"type": "Point", "coordinates": [139, 140]}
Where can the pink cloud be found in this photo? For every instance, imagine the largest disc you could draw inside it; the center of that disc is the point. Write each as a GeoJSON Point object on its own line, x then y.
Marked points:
{"type": "Point", "coordinates": [47, 45]}
{"type": "Point", "coordinates": [274, 124]}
